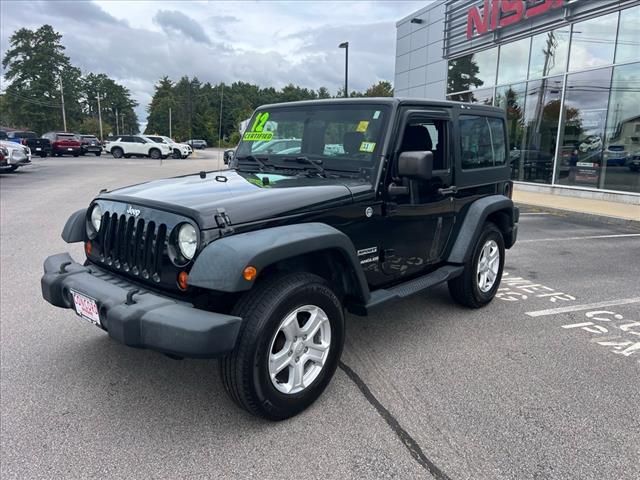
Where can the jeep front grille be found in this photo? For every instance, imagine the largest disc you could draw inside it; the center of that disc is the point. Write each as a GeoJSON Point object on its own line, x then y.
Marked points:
{"type": "Point", "coordinates": [132, 245]}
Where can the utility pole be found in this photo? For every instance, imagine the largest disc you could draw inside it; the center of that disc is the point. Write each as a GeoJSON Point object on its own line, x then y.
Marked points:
{"type": "Point", "coordinates": [100, 118]}
{"type": "Point", "coordinates": [117, 123]}
{"type": "Point", "coordinates": [170, 123]}
{"type": "Point", "coordinates": [122, 120]}
{"type": "Point", "coordinates": [64, 115]}
{"type": "Point", "coordinates": [220, 122]}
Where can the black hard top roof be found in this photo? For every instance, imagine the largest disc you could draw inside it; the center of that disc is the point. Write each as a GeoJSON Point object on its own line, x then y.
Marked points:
{"type": "Point", "coordinates": [392, 101]}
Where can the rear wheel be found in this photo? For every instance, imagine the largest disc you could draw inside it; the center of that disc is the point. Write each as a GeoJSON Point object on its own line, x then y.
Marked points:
{"type": "Point", "coordinates": [288, 348]}
{"type": "Point", "coordinates": [117, 152]}
{"type": "Point", "coordinates": [480, 280]}
{"type": "Point", "coordinates": [155, 153]}
{"type": "Point", "coordinates": [98, 154]}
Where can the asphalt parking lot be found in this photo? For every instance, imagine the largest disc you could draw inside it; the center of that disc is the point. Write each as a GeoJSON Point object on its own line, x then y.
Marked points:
{"type": "Point", "coordinates": [540, 384]}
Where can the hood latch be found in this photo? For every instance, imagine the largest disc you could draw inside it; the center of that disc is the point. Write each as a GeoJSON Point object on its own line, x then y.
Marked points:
{"type": "Point", "coordinates": [223, 221]}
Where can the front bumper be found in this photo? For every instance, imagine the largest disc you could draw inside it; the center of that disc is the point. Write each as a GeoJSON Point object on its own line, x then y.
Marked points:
{"type": "Point", "coordinates": [147, 319]}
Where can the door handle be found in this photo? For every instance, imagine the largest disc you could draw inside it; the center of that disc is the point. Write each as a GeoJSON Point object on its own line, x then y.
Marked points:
{"type": "Point", "coordinates": [448, 191]}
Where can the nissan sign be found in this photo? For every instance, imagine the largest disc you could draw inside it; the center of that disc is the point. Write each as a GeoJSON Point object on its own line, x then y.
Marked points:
{"type": "Point", "coordinates": [502, 13]}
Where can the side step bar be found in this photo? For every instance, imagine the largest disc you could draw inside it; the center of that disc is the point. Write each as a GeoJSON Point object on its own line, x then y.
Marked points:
{"type": "Point", "coordinates": [379, 297]}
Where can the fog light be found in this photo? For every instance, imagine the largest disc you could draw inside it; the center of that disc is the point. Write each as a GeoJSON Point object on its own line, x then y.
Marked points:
{"type": "Point", "coordinates": [182, 280]}
{"type": "Point", "coordinates": [87, 248]}
{"type": "Point", "coordinates": [249, 273]}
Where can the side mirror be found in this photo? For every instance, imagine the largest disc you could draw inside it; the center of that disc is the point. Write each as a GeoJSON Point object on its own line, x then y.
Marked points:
{"type": "Point", "coordinates": [228, 156]}
{"type": "Point", "coordinates": [416, 165]}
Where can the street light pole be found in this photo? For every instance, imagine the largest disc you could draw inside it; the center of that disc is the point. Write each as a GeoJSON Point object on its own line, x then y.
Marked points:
{"type": "Point", "coordinates": [345, 45]}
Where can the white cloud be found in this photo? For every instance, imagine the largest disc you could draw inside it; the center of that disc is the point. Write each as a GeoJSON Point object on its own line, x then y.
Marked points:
{"type": "Point", "coordinates": [268, 43]}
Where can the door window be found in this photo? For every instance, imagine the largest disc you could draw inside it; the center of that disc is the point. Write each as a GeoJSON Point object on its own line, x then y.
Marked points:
{"type": "Point", "coordinates": [482, 141]}
{"type": "Point", "coordinates": [426, 135]}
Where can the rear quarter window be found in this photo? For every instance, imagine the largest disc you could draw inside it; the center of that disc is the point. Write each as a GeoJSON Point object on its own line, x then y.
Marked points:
{"type": "Point", "coordinates": [482, 142]}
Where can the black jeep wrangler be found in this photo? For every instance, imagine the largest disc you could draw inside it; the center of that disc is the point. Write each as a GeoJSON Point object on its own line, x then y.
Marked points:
{"type": "Point", "coordinates": [380, 199]}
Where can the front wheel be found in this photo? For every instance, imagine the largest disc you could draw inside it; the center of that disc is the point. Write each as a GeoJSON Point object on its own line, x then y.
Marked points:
{"type": "Point", "coordinates": [480, 280]}
{"type": "Point", "coordinates": [288, 348]}
{"type": "Point", "coordinates": [176, 154]}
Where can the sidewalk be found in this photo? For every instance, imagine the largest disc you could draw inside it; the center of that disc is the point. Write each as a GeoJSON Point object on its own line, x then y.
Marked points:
{"type": "Point", "coordinates": [621, 211]}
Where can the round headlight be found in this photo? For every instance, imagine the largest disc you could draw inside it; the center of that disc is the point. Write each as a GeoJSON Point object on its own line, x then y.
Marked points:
{"type": "Point", "coordinates": [187, 240]}
{"type": "Point", "coordinates": [96, 217]}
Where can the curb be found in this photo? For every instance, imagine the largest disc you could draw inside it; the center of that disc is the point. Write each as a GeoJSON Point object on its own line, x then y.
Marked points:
{"type": "Point", "coordinates": [586, 215]}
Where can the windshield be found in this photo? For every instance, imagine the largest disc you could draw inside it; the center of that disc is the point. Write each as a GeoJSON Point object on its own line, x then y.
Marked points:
{"type": "Point", "coordinates": [25, 135]}
{"type": "Point", "coordinates": [340, 137]}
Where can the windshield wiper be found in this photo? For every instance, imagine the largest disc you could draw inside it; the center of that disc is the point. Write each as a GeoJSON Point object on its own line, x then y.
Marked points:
{"type": "Point", "coordinates": [260, 161]}
{"type": "Point", "coordinates": [309, 162]}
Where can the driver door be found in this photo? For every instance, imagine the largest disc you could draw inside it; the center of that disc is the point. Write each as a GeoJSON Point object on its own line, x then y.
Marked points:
{"type": "Point", "coordinates": [420, 222]}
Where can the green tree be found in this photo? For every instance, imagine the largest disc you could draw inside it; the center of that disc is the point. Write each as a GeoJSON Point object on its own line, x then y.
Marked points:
{"type": "Point", "coordinates": [35, 65]}
{"type": "Point", "coordinates": [380, 89]}
{"type": "Point", "coordinates": [463, 73]}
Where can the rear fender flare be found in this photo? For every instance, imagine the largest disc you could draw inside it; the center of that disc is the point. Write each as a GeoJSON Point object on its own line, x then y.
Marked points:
{"type": "Point", "coordinates": [220, 265]}
{"type": "Point", "coordinates": [473, 222]}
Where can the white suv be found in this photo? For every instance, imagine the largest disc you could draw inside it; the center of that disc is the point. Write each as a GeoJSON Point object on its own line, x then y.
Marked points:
{"type": "Point", "coordinates": [136, 145]}
{"type": "Point", "coordinates": [179, 150]}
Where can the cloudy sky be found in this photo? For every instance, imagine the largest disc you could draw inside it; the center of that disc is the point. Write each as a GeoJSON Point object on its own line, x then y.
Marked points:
{"type": "Point", "coordinates": [268, 43]}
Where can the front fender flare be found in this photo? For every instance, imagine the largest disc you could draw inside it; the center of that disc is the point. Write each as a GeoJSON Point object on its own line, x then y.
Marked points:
{"type": "Point", "coordinates": [74, 230]}
{"type": "Point", "coordinates": [219, 266]}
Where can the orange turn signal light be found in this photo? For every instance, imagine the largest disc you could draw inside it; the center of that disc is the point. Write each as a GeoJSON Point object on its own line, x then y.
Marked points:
{"type": "Point", "coordinates": [87, 248]}
{"type": "Point", "coordinates": [249, 273]}
{"type": "Point", "coordinates": [182, 280]}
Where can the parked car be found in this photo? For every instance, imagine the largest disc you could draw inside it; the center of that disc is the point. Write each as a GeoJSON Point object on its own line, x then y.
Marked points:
{"type": "Point", "coordinates": [3, 135]}
{"type": "Point", "coordinates": [179, 150]}
{"type": "Point", "coordinates": [591, 143]}
{"type": "Point", "coordinates": [257, 265]}
{"type": "Point", "coordinates": [17, 155]}
{"type": "Point", "coordinates": [615, 156]}
{"type": "Point", "coordinates": [38, 145]}
{"type": "Point", "coordinates": [137, 146]}
{"type": "Point", "coordinates": [199, 144]}
{"type": "Point", "coordinates": [63, 143]}
{"type": "Point", "coordinates": [89, 144]}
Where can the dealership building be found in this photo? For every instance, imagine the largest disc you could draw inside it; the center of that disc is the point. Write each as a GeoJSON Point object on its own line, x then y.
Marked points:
{"type": "Point", "coordinates": [567, 72]}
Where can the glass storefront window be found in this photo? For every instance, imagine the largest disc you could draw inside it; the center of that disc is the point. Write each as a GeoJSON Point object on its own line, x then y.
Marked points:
{"type": "Point", "coordinates": [549, 53]}
{"type": "Point", "coordinates": [533, 162]}
{"type": "Point", "coordinates": [512, 98]}
{"type": "Point", "coordinates": [477, 70]}
{"type": "Point", "coordinates": [628, 45]}
{"type": "Point", "coordinates": [477, 96]}
{"type": "Point", "coordinates": [621, 156]}
{"type": "Point", "coordinates": [511, 67]}
{"type": "Point", "coordinates": [593, 42]}
{"type": "Point", "coordinates": [585, 116]}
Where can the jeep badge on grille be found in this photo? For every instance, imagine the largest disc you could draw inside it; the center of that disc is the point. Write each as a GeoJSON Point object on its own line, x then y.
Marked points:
{"type": "Point", "coordinates": [133, 211]}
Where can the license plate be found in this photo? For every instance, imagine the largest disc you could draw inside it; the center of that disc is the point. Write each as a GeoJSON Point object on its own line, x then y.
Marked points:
{"type": "Point", "coordinates": [38, 149]}
{"type": "Point", "coordinates": [86, 307]}
{"type": "Point", "coordinates": [70, 149]}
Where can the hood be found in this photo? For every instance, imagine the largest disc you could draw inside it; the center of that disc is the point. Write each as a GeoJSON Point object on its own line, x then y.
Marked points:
{"type": "Point", "coordinates": [242, 195]}
{"type": "Point", "coordinates": [13, 146]}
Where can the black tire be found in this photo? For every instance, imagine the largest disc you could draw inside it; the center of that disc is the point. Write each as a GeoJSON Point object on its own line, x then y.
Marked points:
{"type": "Point", "coordinates": [10, 169]}
{"type": "Point", "coordinates": [42, 155]}
{"type": "Point", "coordinates": [465, 289]}
{"type": "Point", "coordinates": [98, 154]}
{"type": "Point", "coordinates": [176, 154]}
{"type": "Point", "coordinates": [117, 152]}
{"type": "Point", "coordinates": [76, 154]}
{"type": "Point", "coordinates": [155, 154]}
{"type": "Point", "coordinates": [245, 371]}
{"type": "Point", "coordinates": [127, 155]}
